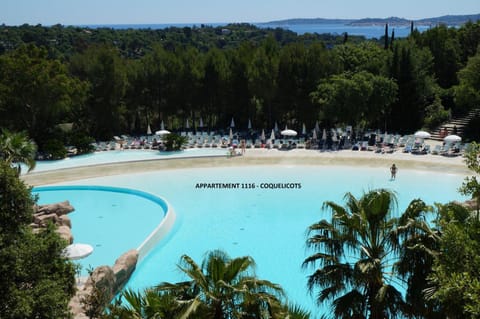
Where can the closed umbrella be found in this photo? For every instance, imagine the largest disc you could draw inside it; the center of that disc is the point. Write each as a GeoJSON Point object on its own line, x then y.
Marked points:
{"type": "Point", "coordinates": [272, 135]}
{"type": "Point", "coordinates": [334, 136]}
{"type": "Point", "coordinates": [314, 135]}
{"type": "Point", "coordinates": [317, 127]}
{"type": "Point", "coordinates": [249, 124]}
{"type": "Point", "coordinates": [304, 129]}
{"type": "Point", "coordinates": [276, 127]}
{"type": "Point", "coordinates": [324, 135]}
{"type": "Point", "coordinates": [162, 126]}
{"type": "Point", "coordinates": [230, 135]}
{"type": "Point", "coordinates": [452, 138]}
{"type": "Point", "coordinates": [262, 136]}
{"type": "Point", "coordinates": [187, 124]}
{"type": "Point", "coordinates": [200, 124]}
{"type": "Point", "coordinates": [232, 123]}
{"type": "Point", "coordinates": [77, 251]}
{"type": "Point", "coordinates": [149, 130]}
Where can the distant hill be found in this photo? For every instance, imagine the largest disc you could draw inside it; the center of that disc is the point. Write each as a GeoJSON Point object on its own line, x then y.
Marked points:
{"type": "Point", "coordinates": [309, 21]}
{"type": "Point", "coordinates": [453, 20]}
{"type": "Point", "coordinates": [393, 21]}
{"type": "Point", "coordinates": [450, 19]}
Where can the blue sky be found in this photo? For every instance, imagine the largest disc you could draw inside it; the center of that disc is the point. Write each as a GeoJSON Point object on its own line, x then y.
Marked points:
{"type": "Point", "coordinates": [68, 12]}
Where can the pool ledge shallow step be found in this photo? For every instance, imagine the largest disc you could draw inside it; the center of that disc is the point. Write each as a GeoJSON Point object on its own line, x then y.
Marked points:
{"type": "Point", "coordinates": [158, 233]}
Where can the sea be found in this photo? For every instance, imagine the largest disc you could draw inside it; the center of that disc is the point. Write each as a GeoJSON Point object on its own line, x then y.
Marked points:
{"type": "Point", "coordinates": [369, 32]}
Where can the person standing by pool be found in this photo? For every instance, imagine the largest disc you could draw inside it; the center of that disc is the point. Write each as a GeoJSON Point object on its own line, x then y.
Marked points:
{"type": "Point", "coordinates": [393, 171]}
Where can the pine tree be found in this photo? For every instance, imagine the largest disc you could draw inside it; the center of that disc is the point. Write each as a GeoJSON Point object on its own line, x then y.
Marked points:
{"type": "Point", "coordinates": [392, 38]}
{"type": "Point", "coordinates": [386, 36]}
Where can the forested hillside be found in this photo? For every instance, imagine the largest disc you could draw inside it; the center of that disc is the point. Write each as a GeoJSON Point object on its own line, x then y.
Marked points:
{"type": "Point", "coordinates": [109, 82]}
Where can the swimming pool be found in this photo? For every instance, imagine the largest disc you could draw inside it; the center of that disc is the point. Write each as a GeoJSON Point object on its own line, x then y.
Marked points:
{"type": "Point", "coordinates": [112, 220]}
{"type": "Point", "coordinates": [116, 156]}
{"type": "Point", "coordinates": [268, 223]}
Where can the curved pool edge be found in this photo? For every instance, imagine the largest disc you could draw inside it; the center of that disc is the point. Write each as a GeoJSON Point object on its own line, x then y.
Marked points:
{"type": "Point", "coordinates": [154, 237]}
{"type": "Point", "coordinates": [158, 233]}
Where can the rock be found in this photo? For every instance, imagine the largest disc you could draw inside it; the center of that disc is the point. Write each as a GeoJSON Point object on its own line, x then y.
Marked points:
{"type": "Point", "coordinates": [44, 218]}
{"type": "Point", "coordinates": [103, 281]}
{"type": "Point", "coordinates": [65, 233]}
{"type": "Point", "coordinates": [61, 208]}
{"type": "Point", "coordinates": [124, 267]}
{"type": "Point", "coordinates": [64, 220]}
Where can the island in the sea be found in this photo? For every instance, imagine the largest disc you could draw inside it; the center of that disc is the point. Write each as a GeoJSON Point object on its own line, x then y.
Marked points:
{"type": "Point", "coordinates": [451, 20]}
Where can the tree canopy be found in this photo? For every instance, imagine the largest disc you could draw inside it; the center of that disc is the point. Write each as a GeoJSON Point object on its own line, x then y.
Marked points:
{"type": "Point", "coordinates": [35, 279]}
{"type": "Point", "coordinates": [109, 82]}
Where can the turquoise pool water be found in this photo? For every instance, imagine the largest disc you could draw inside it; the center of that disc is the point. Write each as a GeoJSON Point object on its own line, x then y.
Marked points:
{"type": "Point", "coordinates": [112, 220]}
{"type": "Point", "coordinates": [265, 222]}
{"type": "Point", "coordinates": [116, 156]}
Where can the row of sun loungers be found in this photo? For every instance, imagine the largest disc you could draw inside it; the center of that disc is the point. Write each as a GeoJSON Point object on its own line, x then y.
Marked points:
{"type": "Point", "coordinates": [382, 144]}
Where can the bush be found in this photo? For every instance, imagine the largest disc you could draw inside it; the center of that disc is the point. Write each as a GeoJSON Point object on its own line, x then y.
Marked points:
{"type": "Point", "coordinates": [54, 149]}
{"type": "Point", "coordinates": [82, 143]}
{"type": "Point", "coordinates": [435, 114]}
{"type": "Point", "coordinates": [174, 142]}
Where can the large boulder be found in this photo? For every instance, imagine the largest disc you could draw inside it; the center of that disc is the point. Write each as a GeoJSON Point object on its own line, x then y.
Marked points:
{"type": "Point", "coordinates": [104, 282]}
{"type": "Point", "coordinates": [102, 279]}
{"type": "Point", "coordinates": [42, 219]}
{"type": "Point", "coordinates": [65, 233]}
{"type": "Point", "coordinates": [100, 284]}
{"type": "Point", "coordinates": [124, 267]}
{"type": "Point", "coordinates": [64, 220]}
{"type": "Point", "coordinates": [61, 208]}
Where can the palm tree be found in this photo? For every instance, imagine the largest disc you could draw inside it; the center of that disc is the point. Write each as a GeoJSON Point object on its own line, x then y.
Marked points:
{"type": "Point", "coordinates": [224, 288]}
{"type": "Point", "coordinates": [147, 305]}
{"type": "Point", "coordinates": [420, 245]}
{"type": "Point", "coordinates": [356, 252]}
{"type": "Point", "coordinates": [17, 148]}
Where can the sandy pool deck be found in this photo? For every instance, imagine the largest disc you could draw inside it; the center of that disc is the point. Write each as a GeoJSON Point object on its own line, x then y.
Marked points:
{"type": "Point", "coordinates": [402, 160]}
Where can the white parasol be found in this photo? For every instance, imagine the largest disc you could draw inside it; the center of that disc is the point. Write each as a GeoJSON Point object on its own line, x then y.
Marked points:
{"type": "Point", "coordinates": [262, 136]}
{"type": "Point", "coordinates": [272, 135]}
{"type": "Point", "coordinates": [77, 251]}
{"type": "Point", "coordinates": [162, 132]}
{"type": "Point", "coordinates": [422, 134]}
{"type": "Point", "coordinates": [232, 123]}
{"type": "Point", "coordinates": [452, 138]}
{"type": "Point", "coordinates": [288, 132]}
{"type": "Point", "coordinates": [149, 130]}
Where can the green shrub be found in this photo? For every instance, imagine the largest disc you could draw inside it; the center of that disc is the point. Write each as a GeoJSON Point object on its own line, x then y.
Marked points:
{"type": "Point", "coordinates": [174, 142]}
{"type": "Point", "coordinates": [83, 143]}
{"type": "Point", "coordinates": [54, 149]}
